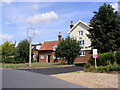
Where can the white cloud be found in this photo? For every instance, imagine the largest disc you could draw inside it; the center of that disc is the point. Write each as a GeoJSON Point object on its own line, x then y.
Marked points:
{"type": "Point", "coordinates": [42, 18]}
{"type": "Point", "coordinates": [6, 36]}
{"type": "Point", "coordinates": [115, 6]}
{"type": "Point", "coordinates": [7, 1]}
{"type": "Point", "coordinates": [36, 32]}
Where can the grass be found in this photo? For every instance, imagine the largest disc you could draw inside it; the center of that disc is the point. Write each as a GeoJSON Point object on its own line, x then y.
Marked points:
{"type": "Point", "coordinates": [33, 65]}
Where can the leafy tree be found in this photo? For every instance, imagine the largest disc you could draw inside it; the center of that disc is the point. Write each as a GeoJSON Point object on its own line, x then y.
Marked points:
{"type": "Point", "coordinates": [105, 31]}
{"type": "Point", "coordinates": [22, 51]}
{"type": "Point", "coordinates": [8, 49]}
{"type": "Point", "coordinates": [68, 50]}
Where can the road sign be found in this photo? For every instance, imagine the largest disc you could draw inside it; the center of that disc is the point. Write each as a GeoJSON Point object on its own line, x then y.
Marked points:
{"type": "Point", "coordinates": [95, 55]}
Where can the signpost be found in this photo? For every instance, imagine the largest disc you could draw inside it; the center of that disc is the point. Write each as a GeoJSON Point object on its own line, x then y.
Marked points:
{"type": "Point", "coordinates": [95, 55]}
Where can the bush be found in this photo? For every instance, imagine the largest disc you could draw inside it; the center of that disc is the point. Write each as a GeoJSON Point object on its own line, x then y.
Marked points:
{"type": "Point", "coordinates": [106, 59]}
{"type": "Point", "coordinates": [117, 55]}
{"type": "Point", "coordinates": [9, 60]}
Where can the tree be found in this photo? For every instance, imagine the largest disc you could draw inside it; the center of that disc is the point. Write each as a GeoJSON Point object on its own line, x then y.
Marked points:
{"type": "Point", "coordinates": [22, 51]}
{"type": "Point", "coordinates": [105, 31]}
{"type": "Point", "coordinates": [68, 50]}
{"type": "Point", "coordinates": [8, 49]}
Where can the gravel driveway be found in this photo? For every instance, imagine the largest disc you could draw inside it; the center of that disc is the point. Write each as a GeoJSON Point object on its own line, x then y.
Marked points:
{"type": "Point", "coordinates": [91, 80]}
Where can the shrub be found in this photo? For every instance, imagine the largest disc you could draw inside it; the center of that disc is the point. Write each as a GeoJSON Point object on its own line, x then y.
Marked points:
{"type": "Point", "coordinates": [117, 55]}
{"type": "Point", "coordinates": [9, 60]}
{"type": "Point", "coordinates": [106, 59]}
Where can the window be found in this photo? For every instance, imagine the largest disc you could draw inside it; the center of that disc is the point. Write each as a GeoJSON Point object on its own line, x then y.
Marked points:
{"type": "Point", "coordinates": [42, 57]}
{"type": "Point", "coordinates": [54, 48]}
{"type": "Point", "coordinates": [81, 42]}
{"type": "Point", "coordinates": [82, 53]}
{"type": "Point", "coordinates": [80, 33]}
{"type": "Point", "coordinates": [54, 57]}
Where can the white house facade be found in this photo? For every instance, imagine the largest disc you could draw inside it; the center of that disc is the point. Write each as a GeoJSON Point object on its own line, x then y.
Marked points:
{"type": "Point", "coordinates": [79, 32]}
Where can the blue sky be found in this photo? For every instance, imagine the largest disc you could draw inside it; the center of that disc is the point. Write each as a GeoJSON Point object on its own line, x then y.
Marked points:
{"type": "Point", "coordinates": [47, 18]}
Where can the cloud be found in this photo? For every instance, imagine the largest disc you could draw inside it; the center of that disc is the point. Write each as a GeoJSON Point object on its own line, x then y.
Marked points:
{"type": "Point", "coordinates": [42, 18]}
{"type": "Point", "coordinates": [6, 36]}
{"type": "Point", "coordinates": [115, 6]}
{"type": "Point", "coordinates": [8, 2]}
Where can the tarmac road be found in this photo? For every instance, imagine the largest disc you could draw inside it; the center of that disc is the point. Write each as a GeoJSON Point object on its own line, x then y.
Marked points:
{"type": "Point", "coordinates": [24, 79]}
{"type": "Point", "coordinates": [55, 70]}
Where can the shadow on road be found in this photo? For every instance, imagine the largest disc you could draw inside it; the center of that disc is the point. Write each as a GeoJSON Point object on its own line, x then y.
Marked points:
{"type": "Point", "coordinates": [57, 70]}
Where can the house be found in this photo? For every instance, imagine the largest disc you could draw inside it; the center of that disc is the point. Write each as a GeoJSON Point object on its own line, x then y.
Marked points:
{"type": "Point", "coordinates": [78, 32]}
{"type": "Point", "coordinates": [35, 48]}
{"type": "Point", "coordinates": [47, 50]}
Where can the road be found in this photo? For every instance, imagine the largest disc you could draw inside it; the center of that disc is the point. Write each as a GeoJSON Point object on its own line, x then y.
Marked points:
{"type": "Point", "coordinates": [55, 70]}
{"type": "Point", "coordinates": [24, 79]}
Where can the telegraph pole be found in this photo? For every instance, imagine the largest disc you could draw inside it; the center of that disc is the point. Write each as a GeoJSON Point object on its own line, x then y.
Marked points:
{"type": "Point", "coordinates": [30, 44]}
{"type": "Point", "coordinates": [30, 40]}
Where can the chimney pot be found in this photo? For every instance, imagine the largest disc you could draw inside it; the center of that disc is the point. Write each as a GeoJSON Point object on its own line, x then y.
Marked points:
{"type": "Point", "coordinates": [71, 25]}
{"type": "Point", "coordinates": [59, 37]}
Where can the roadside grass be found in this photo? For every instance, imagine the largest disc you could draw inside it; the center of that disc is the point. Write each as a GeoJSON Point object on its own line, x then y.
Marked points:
{"type": "Point", "coordinates": [33, 65]}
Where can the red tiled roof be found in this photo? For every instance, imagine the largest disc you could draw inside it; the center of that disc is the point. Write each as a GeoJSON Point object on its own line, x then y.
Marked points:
{"type": "Point", "coordinates": [48, 45]}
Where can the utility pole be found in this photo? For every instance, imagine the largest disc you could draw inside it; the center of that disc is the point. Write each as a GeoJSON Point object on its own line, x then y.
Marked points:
{"type": "Point", "coordinates": [29, 37]}
{"type": "Point", "coordinates": [30, 40]}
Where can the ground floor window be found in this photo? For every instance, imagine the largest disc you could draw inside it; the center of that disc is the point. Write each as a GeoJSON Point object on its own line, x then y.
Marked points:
{"type": "Point", "coordinates": [82, 53]}
{"type": "Point", "coordinates": [54, 57]}
{"type": "Point", "coordinates": [42, 57]}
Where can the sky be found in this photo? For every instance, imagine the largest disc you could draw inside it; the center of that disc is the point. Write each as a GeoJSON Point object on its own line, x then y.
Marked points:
{"type": "Point", "coordinates": [43, 20]}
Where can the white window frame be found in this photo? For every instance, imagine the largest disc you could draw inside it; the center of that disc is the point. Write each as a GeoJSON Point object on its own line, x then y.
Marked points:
{"type": "Point", "coordinates": [54, 57]}
{"type": "Point", "coordinates": [42, 56]}
{"type": "Point", "coordinates": [54, 48]}
{"type": "Point", "coordinates": [80, 33]}
{"type": "Point", "coordinates": [82, 53]}
{"type": "Point", "coordinates": [82, 44]}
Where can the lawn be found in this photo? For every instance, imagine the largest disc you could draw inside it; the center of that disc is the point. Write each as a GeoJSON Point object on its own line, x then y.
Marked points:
{"type": "Point", "coordinates": [33, 65]}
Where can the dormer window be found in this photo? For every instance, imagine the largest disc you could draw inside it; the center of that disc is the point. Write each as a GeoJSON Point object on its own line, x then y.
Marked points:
{"type": "Point", "coordinates": [54, 48]}
{"type": "Point", "coordinates": [80, 33]}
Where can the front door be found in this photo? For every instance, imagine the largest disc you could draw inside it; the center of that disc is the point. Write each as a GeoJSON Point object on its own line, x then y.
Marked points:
{"type": "Point", "coordinates": [48, 58]}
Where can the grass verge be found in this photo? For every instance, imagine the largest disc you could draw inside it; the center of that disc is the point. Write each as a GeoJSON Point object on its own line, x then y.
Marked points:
{"type": "Point", "coordinates": [33, 65]}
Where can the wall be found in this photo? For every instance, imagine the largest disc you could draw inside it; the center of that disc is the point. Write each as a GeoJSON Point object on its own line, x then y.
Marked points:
{"type": "Point", "coordinates": [85, 58]}
{"type": "Point", "coordinates": [46, 53]}
{"type": "Point", "coordinates": [74, 34]}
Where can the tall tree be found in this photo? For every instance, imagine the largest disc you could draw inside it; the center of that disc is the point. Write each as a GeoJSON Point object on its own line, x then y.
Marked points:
{"type": "Point", "coordinates": [105, 31]}
{"type": "Point", "coordinates": [8, 49]}
{"type": "Point", "coordinates": [22, 51]}
{"type": "Point", "coordinates": [68, 50]}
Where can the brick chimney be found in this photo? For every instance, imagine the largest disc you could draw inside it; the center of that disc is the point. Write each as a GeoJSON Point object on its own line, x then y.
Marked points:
{"type": "Point", "coordinates": [59, 37]}
{"type": "Point", "coordinates": [71, 25]}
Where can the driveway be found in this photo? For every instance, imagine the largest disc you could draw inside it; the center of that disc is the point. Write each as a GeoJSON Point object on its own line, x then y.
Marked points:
{"type": "Point", "coordinates": [24, 79]}
{"type": "Point", "coordinates": [55, 70]}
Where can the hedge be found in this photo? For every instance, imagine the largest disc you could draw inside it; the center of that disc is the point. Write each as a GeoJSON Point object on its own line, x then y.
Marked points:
{"type": "Point", "coordinates": [106, 58]}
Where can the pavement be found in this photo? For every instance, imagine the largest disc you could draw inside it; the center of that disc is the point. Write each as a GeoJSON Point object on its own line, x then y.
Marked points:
{"type": "Point", "coordinates": [55, 70]}
{"type": "Point", "coordinates": [24, 79]}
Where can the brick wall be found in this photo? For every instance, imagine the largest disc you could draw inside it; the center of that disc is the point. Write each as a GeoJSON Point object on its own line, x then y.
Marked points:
{"type": "Point", "coordinates": [83, 58]}
{"type": "Point", "coordinates": [79, 59]}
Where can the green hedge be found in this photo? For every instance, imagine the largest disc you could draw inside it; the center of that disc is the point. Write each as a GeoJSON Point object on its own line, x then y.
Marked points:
{"type": "Point", "coordinates": [106, 58]}
{"type": "Point", "coordinates": [13, 60]}
{"type": "Point", "coordinates": [8, 60]}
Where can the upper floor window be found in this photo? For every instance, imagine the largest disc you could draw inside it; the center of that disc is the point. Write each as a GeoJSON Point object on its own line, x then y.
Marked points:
{"type": "Point", "coordinates": [80, 33]}
{"type": "Point", "coordinates": [81, 42]}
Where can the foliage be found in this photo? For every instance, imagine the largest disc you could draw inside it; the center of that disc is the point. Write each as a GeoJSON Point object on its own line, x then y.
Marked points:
{"type": "Point", "coordinates": [68, 50]}
{"type": "Point", "coordinates": [7, 49]}
{"type": "Point", "coordinates": [9, 60]}
{"type": "Point", "coordinates": [117, 55]}
{"type": "Point", "coordinates": [106, 58]}
{"type": "Point", "coordinates": [105, 31]}
{"type": "Point", "coordinates": [22, 51]}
